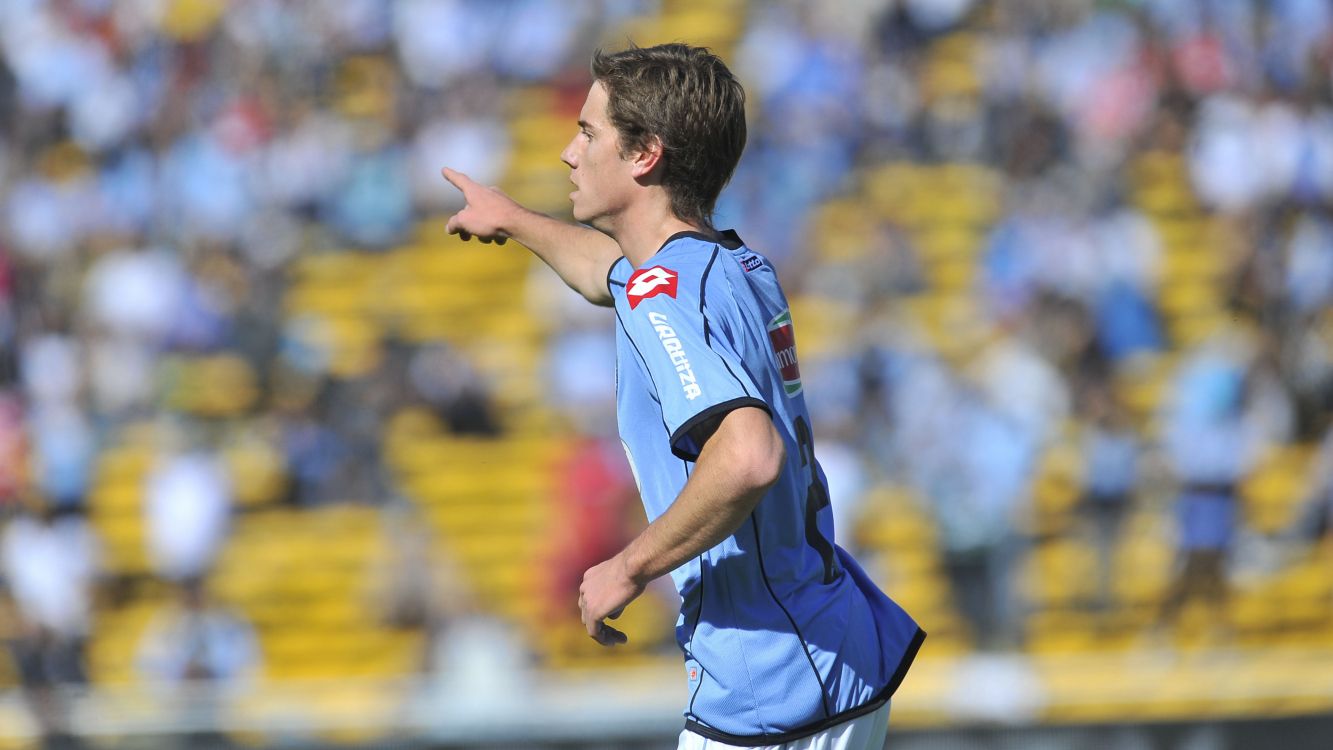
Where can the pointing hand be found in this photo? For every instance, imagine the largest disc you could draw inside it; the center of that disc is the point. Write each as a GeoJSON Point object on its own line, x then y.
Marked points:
{"type": "Point", "coordinates": [484, 213]}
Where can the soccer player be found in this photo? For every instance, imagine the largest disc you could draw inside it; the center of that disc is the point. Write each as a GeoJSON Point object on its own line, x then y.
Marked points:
{"type": "Point", "coordinates": [786, 640]}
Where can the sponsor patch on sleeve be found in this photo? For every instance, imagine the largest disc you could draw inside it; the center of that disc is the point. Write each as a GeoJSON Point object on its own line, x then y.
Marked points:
{"type": "Point", "coordinates": [650, 282]}
{"type": "Point", "coordinates": [783, 338]}
{"type": "Point", "coordinates": [751, 262]}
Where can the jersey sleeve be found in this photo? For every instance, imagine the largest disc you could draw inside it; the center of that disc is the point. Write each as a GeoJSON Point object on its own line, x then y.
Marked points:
{"type": "Point", "coordinates": [698, 374]}
{"type": "Point", "coordinates": [617, 274]}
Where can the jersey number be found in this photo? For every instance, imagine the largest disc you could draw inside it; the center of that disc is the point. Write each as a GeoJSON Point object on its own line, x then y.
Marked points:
{"type": "Point", "coordinates": [816, 499]}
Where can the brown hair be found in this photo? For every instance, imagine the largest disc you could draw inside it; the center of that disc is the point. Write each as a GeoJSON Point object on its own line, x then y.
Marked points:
{"type": "Point", "coordinates": [687, 98]}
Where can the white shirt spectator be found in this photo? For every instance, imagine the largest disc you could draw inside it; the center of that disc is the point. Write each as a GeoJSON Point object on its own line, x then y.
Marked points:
{"type": "Point", "coordinates": [539, 36]}
{"type": "Point", "coordinates": [136, 293]}
{"type": "Point", "coordinates": [1023, 387]}
{"type": "Point", "coordinates": [188, 503]}
{"type": "Point", "coordinates": [45, 218]}
{"type": "Point", "coordinates": [51, 368]}
{"type": "Point", "coordinates": [432, 56]}
{"type": "Point", "coordinates": [105, 111]}
{"type": "Point", "coordinates": [50, 569]}
{"type": "Point", "coordinates": [51, 62]}
{"type": "Point", "coordinates": [1222, 160]}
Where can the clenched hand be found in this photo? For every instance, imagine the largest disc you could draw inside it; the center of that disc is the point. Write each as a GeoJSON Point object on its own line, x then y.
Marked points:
{"type": "Point", "coordinates": [606, 590]}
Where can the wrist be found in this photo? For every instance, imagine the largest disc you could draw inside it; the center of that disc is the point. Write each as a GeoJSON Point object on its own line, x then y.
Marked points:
{"type": "Point", "coordinates": [513, 219]}
{"type": "Point", "coordinates": [631, 569]}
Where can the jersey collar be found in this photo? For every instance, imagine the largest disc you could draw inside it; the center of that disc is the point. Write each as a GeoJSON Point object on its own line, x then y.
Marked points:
{"type": "Point", "coordinates": [726, 238]}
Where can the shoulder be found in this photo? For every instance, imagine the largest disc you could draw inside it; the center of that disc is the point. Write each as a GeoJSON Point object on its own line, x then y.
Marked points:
{"type": "Point", "coordinates": [719, 260]}
{"type": "Point", "coordinates": [681, 258]}
{"type": "Point", "coordinates": [691, 254]}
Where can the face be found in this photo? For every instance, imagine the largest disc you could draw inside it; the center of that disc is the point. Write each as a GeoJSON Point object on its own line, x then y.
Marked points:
{"type": "Point", "coordinates": [603, 179]}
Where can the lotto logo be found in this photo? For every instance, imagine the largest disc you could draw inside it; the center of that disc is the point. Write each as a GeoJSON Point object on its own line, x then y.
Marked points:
{"type": "Point", "coordinates": [650, 282]}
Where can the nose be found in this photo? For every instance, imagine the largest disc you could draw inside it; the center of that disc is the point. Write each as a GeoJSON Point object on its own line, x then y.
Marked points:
{"type": "Point", "coordinates": [568, 156]}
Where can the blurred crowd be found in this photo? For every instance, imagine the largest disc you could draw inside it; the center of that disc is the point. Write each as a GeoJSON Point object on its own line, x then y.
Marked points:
{"type": "Point", "coordinates": [1062, 103]}
{"type": "Point", "coordinates": [164, 163]}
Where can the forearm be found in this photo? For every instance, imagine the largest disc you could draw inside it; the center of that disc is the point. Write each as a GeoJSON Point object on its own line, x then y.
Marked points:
{"type": "Point", "coordinates": [720, 494]}
{"type": "Point", "coordinates": [708, 510]}
{"type": "Point", "coordinates": [738, 463]}
{"type": "Point", "coordinates": [579, 255]}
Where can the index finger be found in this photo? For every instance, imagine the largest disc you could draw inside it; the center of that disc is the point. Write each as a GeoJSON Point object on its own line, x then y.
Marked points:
{"type": "Point", "coordinates": [458, 179]}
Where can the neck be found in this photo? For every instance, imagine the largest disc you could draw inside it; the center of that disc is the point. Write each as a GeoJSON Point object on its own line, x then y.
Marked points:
{"type": "Point", "coordinates": [640, 233]}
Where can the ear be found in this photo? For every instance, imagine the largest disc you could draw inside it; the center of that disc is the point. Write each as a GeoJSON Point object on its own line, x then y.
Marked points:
{"type": "Point", "coordinates": [646, 160]}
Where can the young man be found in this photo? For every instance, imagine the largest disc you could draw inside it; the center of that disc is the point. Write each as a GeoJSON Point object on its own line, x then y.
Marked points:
{"type": "Point", "coordinates": [785, 638]}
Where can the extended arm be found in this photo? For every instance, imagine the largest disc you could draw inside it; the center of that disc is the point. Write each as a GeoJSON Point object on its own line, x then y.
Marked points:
{"type": "Point", "coordinates": [579, 255]}
{"type": "Point", "coordinates": [737, 465]}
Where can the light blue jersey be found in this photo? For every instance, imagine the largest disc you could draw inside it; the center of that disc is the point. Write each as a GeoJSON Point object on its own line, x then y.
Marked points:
{"type": "Point", "coordinates": [783, 633]}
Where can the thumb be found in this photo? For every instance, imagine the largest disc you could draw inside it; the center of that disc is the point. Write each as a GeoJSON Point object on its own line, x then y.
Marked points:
{"type": "Point", "coordinates": [458, 180]}
{"type": "Point", "coordinates": [609, 636]}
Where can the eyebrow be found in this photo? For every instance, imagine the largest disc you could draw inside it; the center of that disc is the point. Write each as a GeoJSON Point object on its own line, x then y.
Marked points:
{"type": "Point", "coordinates": [584, 124]}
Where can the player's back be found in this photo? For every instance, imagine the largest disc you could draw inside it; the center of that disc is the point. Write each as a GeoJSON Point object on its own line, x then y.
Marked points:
{"type": "Point", "coordinates": [782, 631]}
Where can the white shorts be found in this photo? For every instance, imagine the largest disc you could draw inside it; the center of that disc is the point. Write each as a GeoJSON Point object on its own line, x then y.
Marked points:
{"type": "Point", "coordinates": [862, 733]}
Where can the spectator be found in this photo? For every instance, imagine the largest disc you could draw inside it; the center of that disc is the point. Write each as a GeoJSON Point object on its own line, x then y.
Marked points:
{"type": "Point", "coordinates": [1211, 444]}
{"type": "Point", "coordinates": [14, 451]}
{"type": "Point", "coordinates": [1314, 517]}
{"type": "Point", "coordinates": [1110, 458]}
{"type": "Point", "coordinates": [372, 207]}
{"type": "Point", "coordinates": [187, 509]}
{"type": "Point", "coordinates": [453, 387]}
{"type": "Point", "coordinates": [976, 485]}
{"type": "Point", "coordinates": [49, 363]}
{"type": "Point", "coordinates": [50, 563]}
{"type": "Point", "coordinates": [417, 586]}
{"type": "Point", "coordinates": [597, 497]}
{"type": "Point", "coordinates": [196, 653]}
{"type": "Point", "coordinates": [63, 451]}
{"type": "Point", "coordinates": [194, 639]}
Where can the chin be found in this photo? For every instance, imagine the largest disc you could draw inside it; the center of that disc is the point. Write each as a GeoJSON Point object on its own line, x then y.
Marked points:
{"type": "Point", "coordinates": [583, 216]}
